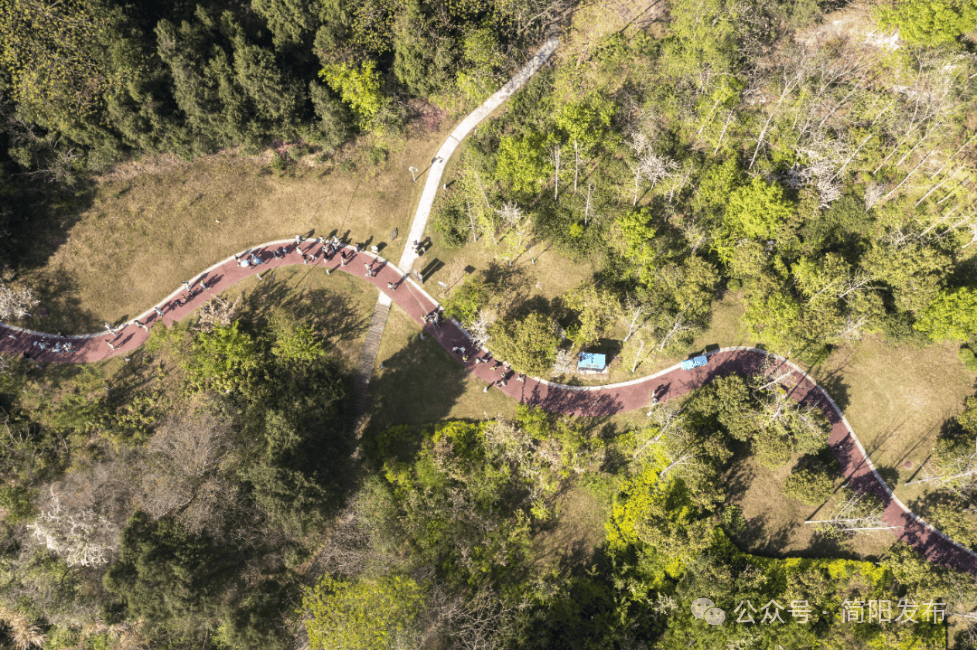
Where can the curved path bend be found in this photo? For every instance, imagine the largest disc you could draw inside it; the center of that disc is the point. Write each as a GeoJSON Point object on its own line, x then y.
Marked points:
{"type": "Point", "coordinates": [576, 400]}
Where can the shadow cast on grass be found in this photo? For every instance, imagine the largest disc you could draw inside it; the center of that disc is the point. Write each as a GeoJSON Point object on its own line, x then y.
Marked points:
{"type": "Point", "coordinates": [419, 384]}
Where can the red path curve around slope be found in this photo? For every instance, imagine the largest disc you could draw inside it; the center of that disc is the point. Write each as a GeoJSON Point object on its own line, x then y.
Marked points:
{"type": "Point", "coordinates": [576, 400]}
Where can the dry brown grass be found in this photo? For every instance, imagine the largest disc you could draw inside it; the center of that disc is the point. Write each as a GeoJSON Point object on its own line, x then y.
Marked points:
{"type": "Point", "coordinates": [150, 227]}
{"type": "Point", "coordinates": [776, 523]}
{"type": "Point", "coordinates": [897, 397]}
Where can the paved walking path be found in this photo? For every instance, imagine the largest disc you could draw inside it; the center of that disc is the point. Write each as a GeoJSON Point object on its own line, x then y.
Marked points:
{"type": "Point", "coordinates": [435, 172]}
{"type": "Point", "coordinates": [576, 400]}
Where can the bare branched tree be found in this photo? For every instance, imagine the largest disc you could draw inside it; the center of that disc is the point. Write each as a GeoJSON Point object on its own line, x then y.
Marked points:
{"type": "Point", "coordinates": [81, 538]}
{"type": "Point", "coordinates": [179, 472]}
{"type": "Point", "coordinates": [856, 513]}
{"type": "Point", "coordinates": [479, 328]}
{"type": "Point", "coordinates": [218, 312]}
{"type": "Point", "coordinates": [15, 303]}
{"type": "Point", "coordinates": [24, 633]}
{"type": "Point", "coordinates": [566, 362]}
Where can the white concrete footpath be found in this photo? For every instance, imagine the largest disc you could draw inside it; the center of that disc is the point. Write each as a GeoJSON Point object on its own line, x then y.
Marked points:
{"type": "Point", "coordinates": [436, 170]}
{"type": "Point", "coordinates": [461, 131]}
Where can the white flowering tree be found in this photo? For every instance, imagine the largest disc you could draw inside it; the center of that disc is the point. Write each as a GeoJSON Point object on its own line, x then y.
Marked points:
{"type": "Point", "coordinates": [81, 539]}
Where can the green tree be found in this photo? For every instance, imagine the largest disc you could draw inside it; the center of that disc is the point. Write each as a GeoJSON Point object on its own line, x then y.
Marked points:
{"type": "Point", "coordinates": [295, 342]}
{"type": "Point", "coordinates": [365, 614]}
{"type": "Point", "coordinates": [358, 86]}
{"type": "Point", "coordinates": [55, 53]}
{"type": "Point", "coordinates": [225, 359]}
{"type": "Point", "coordinates": [520, 162]}
{"type": "Point", "coordinates": [929, 22]}
{"type": "Point", "coordinates": [951, 316]}
{"type": "Point", "coordinates": [466, 300]}
{"type": "Point", "coordinates": [483, 57]}
{"type": "Point", "coordinates": [422, 53]}
{"type": "Point", "coordinates": [702, 38]}
{"type": "Point", "coordinates": [595, 308]}
{"type": "Point", "coordinates": [290, 21]}
{"type": "Point", "coordinates": [639, 238]}
{"type": "Point", "coordinates": [165, 575]}
{"type": "Point", "coordinates": [757, 209]}
{"type": "Point", "coordinates": [584, 124]}
{"type": "Point", "coordinates": [283, 484]}
{"type": "Point", "coordinates": [915, 272]}
{"type": "Point", "coordinates": [529, 344]}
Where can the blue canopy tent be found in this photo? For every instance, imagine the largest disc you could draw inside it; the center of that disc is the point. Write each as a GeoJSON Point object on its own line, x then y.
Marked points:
{"type": "Point", "coordinates": [689, 364]}
{"type": "Point", "coordinates": [591, 361]}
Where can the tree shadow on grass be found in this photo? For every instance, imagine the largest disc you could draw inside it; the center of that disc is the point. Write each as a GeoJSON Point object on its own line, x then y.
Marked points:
{"type": "Point", "coordinates": [42, 215]}
{"type": "Point", "coordinates": [331, 314]}
{"type": "Point", "coordinates": [59, 308]}
{"type": "Point", "coordinates": [419, 384]}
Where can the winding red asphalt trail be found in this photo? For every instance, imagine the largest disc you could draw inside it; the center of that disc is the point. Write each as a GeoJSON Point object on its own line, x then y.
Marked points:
{"type": "Point", "coordinates": [576, 400]}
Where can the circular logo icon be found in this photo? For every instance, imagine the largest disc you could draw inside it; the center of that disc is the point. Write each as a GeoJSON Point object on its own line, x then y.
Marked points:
{"type": "Point", "coordinates": [700, 606]}
{"type": "Point", "coordinates": [714, 616]}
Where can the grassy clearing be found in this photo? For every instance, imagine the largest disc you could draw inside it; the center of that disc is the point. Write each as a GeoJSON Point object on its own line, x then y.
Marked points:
{"type": "Point", "coordinates": [776, 522]}
{"type": "Point", "coordinates": [575, 532]}
{"type": "Point", "coordinates": [140, 235]}
{"type": "Point", "coordinates": [897, 397]}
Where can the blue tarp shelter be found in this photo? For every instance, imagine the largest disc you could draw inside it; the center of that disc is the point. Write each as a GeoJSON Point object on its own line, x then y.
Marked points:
{"type": "Point", "coordinates": [591, 361]}
{"type": "Point", "coordinates": [689, 364]}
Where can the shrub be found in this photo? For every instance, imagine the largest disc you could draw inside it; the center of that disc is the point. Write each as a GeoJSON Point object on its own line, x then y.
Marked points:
{"type": "Point", "coordinates": [810, 485]}
{"type": "Point", "coordinates": [968, 358]}
{"type": "Point", "coordinates": [450, 223]}
{"type": "Point", "coordinates": [925, 22]}
{"type": "Point", "coordinates": [377, 155]}
{"type": "Point", "coordinates": [279, 163]}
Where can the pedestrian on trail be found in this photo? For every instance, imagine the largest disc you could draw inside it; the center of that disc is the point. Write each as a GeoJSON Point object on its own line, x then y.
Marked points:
{"type": "Point", "coordinates": [521, 378]}
{"type": "Point", "coordinates": [259, 275]}
{"type": "Point", "coordinates": [328, 271]}
{"type": "Point", "coordinates": [358, 248]}
{"type": "Point", "coordinates": [422, 338]}
{"type": "Point", "coordinates": [109, 343]}
{"type": "Point", "coordinates": [187, 285]}
{"type": "Point", "coordinates": [391, 285]}
{"type": "Point", "coordinates": [159, 311]}
{"type": "Point", "coordinates": [381, 365]}
{"type": "Point", "coordinates": [126, 359]}
{"type": "Point", "coordinates": [11, 336]}
{"type": "Point", "coordinates": [142, 325]}
{"type": "Point", "coordinates": [305, 258]}
{"type": "Point", "coordinates": [455, 349]}
{"type": "Point", "coordinates": [298, 240]}
{"type": "Point", "coordinates": [342, 260]}
{"type": "Point", "coordinates": [464, 358]}
{"type": "Point", "coordinates": [277, 255]}
{"type": "Point", "coordinates": [109, 328]}
{"type": "Point", "coordinates": [485, 390]}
